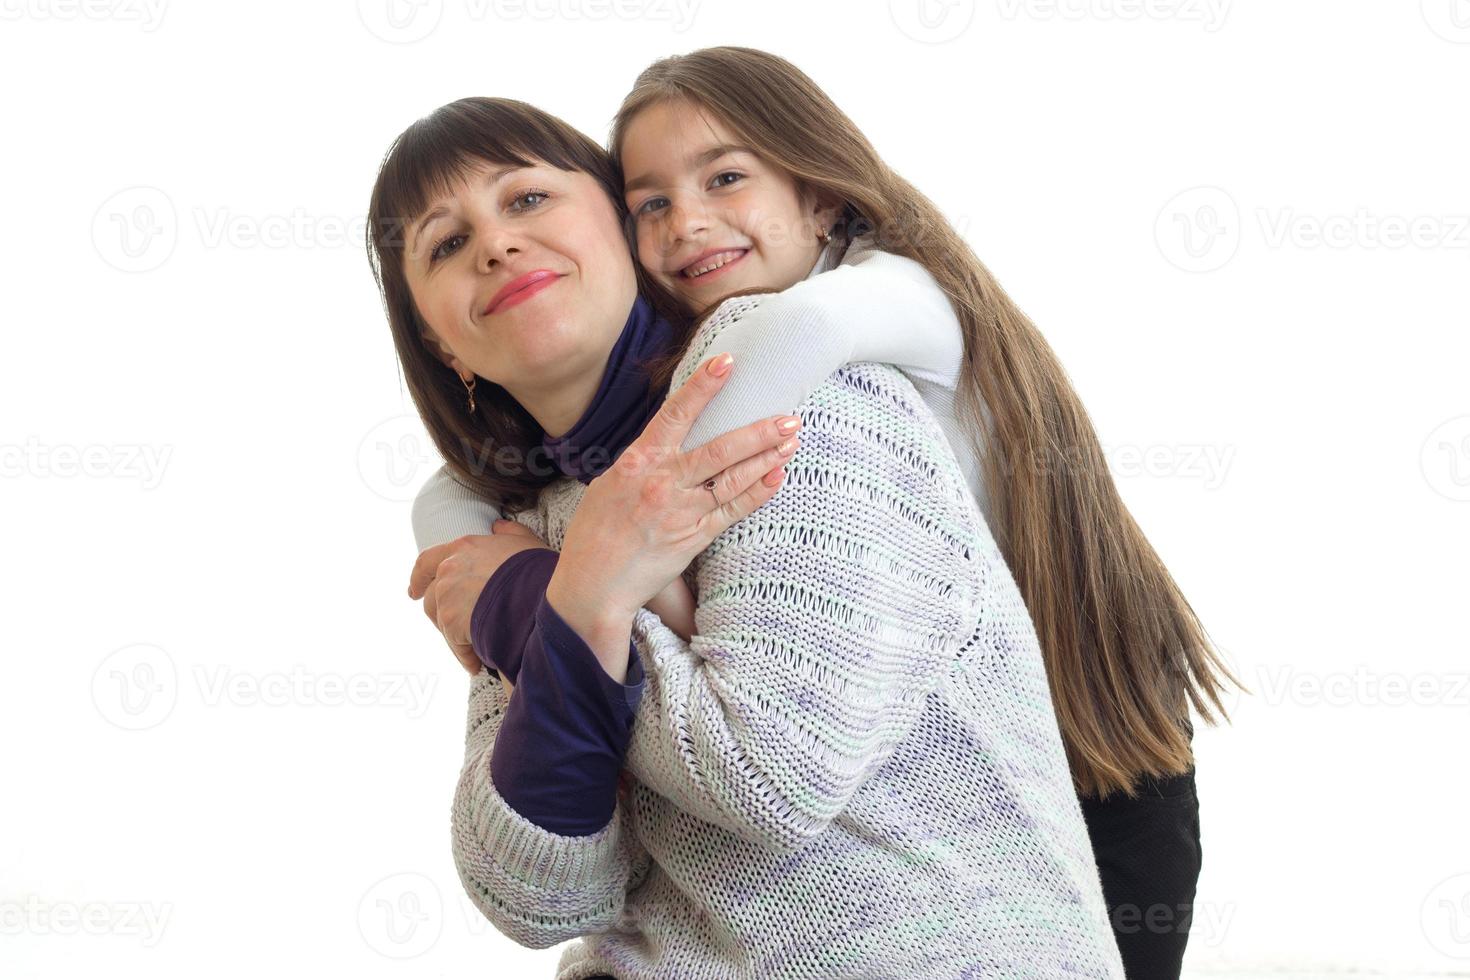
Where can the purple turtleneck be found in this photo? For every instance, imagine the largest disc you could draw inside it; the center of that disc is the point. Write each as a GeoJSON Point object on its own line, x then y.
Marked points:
{"type": "Point", "coordinates": [566, 730]}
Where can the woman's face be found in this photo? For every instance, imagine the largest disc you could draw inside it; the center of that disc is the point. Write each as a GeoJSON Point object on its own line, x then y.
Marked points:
{"type": "Point", "coordinates": [523, 277]}
{"type": "Point", "coordinates": [711, 216]}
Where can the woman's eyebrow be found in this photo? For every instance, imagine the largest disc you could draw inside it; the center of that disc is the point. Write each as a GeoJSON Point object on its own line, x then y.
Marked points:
{"type": "Point", "coordinates": [694, 163]}
{"type": "Point", "coordinates": [433, 214]}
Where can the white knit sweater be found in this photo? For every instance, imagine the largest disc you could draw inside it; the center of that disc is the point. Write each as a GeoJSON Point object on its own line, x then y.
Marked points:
{"type": "Point", "coordinates": [853, 770]}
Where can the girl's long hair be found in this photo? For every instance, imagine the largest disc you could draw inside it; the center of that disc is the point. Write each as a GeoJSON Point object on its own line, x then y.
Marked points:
{"type": "Point", "coordinates": [496, 451]}
{"type": "Point", "coordinates": [1125, 653]}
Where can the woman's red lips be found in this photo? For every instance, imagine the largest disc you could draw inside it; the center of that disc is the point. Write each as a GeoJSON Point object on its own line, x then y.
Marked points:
{"type": "Point", "coordinates": [521, 289]}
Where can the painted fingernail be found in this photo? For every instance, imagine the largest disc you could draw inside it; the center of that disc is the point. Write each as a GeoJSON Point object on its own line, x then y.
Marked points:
{"type": "Point", "coordinates": [786, 447]}
{"type": "Point", "coordinates": [720, 365]}
{"type": "Point", "coordinates": [788, 425]}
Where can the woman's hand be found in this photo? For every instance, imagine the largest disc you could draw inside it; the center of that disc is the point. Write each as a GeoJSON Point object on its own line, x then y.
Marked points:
{"type": "Point", "coordinates": [449, 578]}
{"type": "Point", "coordinates": [644, 519]}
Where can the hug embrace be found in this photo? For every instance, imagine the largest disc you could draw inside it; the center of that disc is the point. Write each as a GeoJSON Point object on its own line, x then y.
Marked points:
{"type": "Point", "coordinates": [809, 635]}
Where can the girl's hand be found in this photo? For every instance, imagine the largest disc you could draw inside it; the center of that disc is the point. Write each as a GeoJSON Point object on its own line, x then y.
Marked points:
{"type": "Point", "coordinates": [449, 578]}
{"type": "Point", "coordinates": [644, 519]}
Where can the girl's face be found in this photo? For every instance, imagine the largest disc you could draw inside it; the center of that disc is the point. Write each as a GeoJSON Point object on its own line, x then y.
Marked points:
{"type": "Point", "coordinates": [711, 216]}
{"type": "Point", "coordinates": [523, 277]}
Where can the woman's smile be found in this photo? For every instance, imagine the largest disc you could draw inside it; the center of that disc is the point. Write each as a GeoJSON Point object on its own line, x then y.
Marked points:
{"type": "Point", "coordinates": [519, 290]}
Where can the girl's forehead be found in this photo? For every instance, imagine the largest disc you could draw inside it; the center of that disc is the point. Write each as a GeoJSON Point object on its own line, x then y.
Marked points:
{"type": "Point", "coordinates": [673, 144]}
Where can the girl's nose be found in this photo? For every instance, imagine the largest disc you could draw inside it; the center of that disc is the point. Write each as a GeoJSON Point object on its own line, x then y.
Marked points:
{"type": "Point", "coordinates": [687, 222]}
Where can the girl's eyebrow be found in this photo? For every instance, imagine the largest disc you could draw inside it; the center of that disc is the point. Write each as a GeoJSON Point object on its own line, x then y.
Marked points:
{"type": "Point", "coordinates": [694, 163]}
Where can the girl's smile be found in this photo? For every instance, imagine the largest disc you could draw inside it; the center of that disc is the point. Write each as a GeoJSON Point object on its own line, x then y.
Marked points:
{"type": "Point", "coordinates": [712, 263]}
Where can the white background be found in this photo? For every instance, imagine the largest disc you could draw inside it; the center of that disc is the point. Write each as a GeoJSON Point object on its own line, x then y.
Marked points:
{"type": "Point", "coordinates": [230, 740]}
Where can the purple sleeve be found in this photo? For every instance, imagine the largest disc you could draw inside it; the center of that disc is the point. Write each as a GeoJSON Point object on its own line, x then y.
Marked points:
{"type": "Point", "coordinates": [566, 729]}
{"type": "Point", "coordinates": [505, 613]}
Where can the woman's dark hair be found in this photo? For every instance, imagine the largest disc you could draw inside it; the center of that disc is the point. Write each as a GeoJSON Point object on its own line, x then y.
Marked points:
{"type": "Point", "coordinates": [496, 451]}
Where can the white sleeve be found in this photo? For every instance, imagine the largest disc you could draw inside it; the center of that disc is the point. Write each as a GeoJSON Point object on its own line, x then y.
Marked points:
{"type": "Point", "coordinates": [445, 509]}
{"type": "Point", "coordinates": [877, 307]}
{"type": "Point", "coordinates": [824, 620]}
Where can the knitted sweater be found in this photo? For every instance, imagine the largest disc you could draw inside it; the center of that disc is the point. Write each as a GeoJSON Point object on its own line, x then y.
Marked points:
{"type": "Point", "coordinates": [561, 746]}
{"type": "Point", "coordinates": [853, 769]}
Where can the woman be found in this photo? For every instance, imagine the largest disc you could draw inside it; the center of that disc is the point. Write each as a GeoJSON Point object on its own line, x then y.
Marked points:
{"type": "Point", "coordinates": [854, 769]}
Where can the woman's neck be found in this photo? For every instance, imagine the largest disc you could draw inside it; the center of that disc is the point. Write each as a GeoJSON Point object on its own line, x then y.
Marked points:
{"type": "Point", "coordinates": [619, 405]}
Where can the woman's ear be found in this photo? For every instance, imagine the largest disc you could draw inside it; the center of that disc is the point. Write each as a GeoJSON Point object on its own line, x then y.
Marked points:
{"type": "Point", "coordinates": [444, 353]}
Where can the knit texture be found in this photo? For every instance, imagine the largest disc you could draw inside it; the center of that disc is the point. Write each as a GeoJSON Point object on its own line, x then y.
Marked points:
{"type": "Point", "coordinates": [852, 770]}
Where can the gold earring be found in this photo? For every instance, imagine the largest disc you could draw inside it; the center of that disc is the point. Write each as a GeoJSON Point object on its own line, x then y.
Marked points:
{"type": "Point", "coordinates": [469, 386]}
{"type": "Point", "coordinates": [824, 236]}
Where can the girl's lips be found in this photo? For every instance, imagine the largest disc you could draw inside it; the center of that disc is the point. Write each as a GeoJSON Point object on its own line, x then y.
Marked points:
{"type": "Point", "coordinates": [713, 273]}
{"type": "Point", "coordinates": [521, 290]}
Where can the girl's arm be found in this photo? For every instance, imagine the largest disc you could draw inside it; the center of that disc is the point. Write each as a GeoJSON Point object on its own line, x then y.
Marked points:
{"type": "Point", "coordinates": [877, 307]}
{"type": "Point", "coordinates": [824, 619]}
{"type": "Point", "coordinates": [445, 509]}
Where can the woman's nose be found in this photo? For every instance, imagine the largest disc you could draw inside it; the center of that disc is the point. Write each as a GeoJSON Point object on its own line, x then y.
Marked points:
{"type": "Point", "coordinates": [495, 248]}
{"type": "Point", "coordinates": [494, 254]}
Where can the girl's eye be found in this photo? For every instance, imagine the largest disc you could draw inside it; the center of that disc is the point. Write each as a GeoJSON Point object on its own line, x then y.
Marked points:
{"type": "Point", "coordinates": [445, 247]}
{"type": "Point", "coordinates": [652, 204]}
{"type": "Point", "coordinates": [720, 181]}
{"type": "Point", "coordinates": [515, 204]}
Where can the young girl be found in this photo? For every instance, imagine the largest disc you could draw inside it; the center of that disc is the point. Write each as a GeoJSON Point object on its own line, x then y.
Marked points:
{"type": "Point", "coordinates": [741, 175]}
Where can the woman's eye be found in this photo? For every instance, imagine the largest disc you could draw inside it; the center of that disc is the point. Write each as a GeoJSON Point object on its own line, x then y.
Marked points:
{"type": "Point", "coordinates": [538, 196]}
{"type": "Point", "coordinates": [445, 247]}
{"type": "Point", "coordinates": [720, 180]}
{"type": "Point", "coordinates": [652, 204]}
